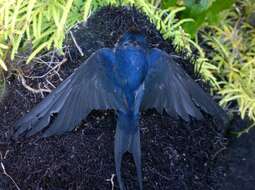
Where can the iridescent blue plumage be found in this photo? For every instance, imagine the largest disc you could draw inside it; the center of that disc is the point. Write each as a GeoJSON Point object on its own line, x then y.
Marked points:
{"type": "Point", "coordinates": [127, 78]}
{"type": "Point", "coordinates": [129, 71]}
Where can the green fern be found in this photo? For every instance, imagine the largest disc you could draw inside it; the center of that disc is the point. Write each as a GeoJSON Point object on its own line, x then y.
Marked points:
{"type": "Point", "coordinates": [233, 53]}
{"type": "Point", "coordinates": [42, 22]}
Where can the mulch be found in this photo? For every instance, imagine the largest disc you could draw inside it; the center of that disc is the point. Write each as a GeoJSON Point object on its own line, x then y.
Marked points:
{"type": "Point", "coordinates": [175, 155]}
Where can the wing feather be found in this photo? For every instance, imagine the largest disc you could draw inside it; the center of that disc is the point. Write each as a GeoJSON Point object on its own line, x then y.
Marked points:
{"type": "Point", "coordinates": [175, 91]}
{"type": "Point", "coordinates": [87, 88]}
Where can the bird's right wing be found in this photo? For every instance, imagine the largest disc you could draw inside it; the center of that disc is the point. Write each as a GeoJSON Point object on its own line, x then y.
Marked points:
{"type": "Point", "coordinates": [89, 87]}
{"type": "Point", "coordinates": [168, 87]}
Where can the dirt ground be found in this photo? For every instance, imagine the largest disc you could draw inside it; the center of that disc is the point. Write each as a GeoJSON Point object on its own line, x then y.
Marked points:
{"type": "Point", "coordinates": [175, 155]}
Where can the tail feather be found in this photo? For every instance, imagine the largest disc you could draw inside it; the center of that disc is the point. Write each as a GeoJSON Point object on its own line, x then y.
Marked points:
{"type": "Point", "coordinates": [127, 142]}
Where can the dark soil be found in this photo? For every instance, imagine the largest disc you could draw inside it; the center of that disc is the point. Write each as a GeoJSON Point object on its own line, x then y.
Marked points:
{"type": "Point", "coordinates": [176, 155]}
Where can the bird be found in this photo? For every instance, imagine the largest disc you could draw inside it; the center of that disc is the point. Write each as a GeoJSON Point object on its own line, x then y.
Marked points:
{"type": "Point", "coordinates": [127, 78]}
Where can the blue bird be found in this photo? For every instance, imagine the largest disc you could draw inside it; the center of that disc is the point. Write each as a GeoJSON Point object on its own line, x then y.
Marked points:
{"type": "Point", "coordinates": [127, 78]}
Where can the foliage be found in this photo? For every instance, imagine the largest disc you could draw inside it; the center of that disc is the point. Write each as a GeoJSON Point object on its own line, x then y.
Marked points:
{"type": "Point", "coordinates": [201, 11]}
{"type": "Point", "coordinates": [233, 52]}
{"type": "Point", "coordinates": [38, 25]}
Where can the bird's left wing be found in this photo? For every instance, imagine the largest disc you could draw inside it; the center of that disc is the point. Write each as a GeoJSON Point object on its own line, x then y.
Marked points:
{"type": "Point", "coordinates": [168, 87]}
{"type": "Point", "coordinates": [89, 87]}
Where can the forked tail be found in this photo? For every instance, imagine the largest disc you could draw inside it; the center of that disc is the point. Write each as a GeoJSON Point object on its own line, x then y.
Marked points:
{"type": "Point", "coordinates": [126, 141]}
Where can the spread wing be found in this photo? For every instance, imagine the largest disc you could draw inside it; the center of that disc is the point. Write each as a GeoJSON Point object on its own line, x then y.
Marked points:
{"type": "Point", "coordinates": [168, 87]}
{"type": "Point", "coordinates": [89, 87]}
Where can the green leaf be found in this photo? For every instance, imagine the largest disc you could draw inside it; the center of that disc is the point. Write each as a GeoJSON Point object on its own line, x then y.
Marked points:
{"type": "Point", "coordinates": [168, 3]}
{"type": "Point", "coordinates": [203, 11]}
{"type": "Point", "coordinates": [3, 65]}
{"type": "Point", "coordinates": [192, 27]}
{"type": "Point", "coordinates": [218, 6]}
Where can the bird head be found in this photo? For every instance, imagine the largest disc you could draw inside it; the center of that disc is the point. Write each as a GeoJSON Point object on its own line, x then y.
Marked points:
{"type": "Point", "coordinates": [132, 38]}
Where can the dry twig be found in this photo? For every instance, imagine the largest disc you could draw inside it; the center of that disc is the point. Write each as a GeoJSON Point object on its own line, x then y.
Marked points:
{"type": "Point", "coordinates": [33, 90]}
{"type": "Point", "coordinates": [4, 170]}
{"type": "Point", "coordinates": [76, 44]}
{"type": "Point", "coordinates": [111, 180]}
